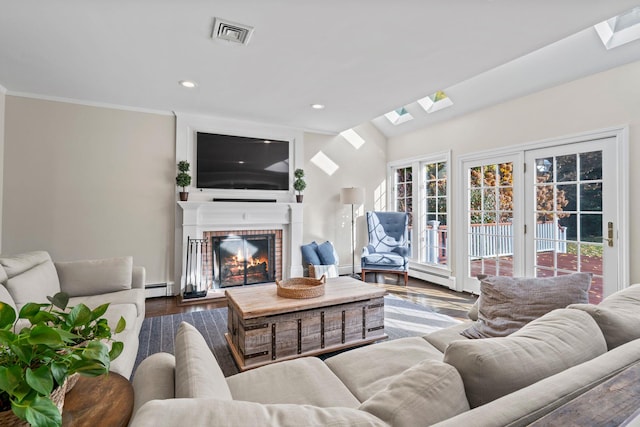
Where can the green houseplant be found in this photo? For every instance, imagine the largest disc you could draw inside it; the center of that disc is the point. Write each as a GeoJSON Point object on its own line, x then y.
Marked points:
{"type": "Point", "coordinates": [299, 184]}
{"type": "Point", "coordinates": [183, 179]}
{"type": "Point", "coordinates": [52, 344]}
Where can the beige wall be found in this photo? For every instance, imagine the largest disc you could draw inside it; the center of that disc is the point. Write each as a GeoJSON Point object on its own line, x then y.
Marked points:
{"type": "Point", "coordinates": [325, 218]}
{"type": "Point", "coordinates": [600, 101]}
{"type": "Point", "coordinates": [87, 182]}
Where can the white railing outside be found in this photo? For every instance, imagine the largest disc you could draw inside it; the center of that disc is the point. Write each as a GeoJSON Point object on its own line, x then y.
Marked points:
{"type": "Point", "coordinates": [488, 240]}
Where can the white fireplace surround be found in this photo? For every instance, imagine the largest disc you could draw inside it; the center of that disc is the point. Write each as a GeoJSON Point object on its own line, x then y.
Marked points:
{"type": "Point", "coordinates": [194, 218]}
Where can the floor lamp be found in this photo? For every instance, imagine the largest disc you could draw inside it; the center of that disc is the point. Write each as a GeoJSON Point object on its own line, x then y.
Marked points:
{"type": "Point", "coordinates": [352, 196]}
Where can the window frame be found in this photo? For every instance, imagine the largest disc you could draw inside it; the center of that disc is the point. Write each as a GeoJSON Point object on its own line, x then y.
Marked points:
{"type": "Point", "coordinates": [418, 254]}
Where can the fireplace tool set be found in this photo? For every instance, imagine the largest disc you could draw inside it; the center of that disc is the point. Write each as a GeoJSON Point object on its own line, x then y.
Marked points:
{"type": "Point", "coordinates": [195, 277]}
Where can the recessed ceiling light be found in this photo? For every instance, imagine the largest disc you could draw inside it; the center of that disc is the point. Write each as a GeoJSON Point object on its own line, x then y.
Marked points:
{"type": "Point", "coordinates": [241, 162]}
{"type": "Point", "coordinates": [187, 83]}
{"type": "Point", "coordinates": [317, 106]}
{"type": "Point", "coordinates": [267, 142]}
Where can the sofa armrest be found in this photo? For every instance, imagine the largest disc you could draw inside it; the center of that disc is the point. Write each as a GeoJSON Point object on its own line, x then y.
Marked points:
{"type": "Point", "coordinates": [138, 277]}
{"type": "Point", "coordinates": [214, 412]}
{"type": "Point", "coordinates": [154, 379]}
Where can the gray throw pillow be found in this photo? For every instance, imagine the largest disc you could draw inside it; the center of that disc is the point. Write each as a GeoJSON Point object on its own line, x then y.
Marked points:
{"type": "Point", "coordinates": [509, 303]}
{"type": "Point", "coordinates": [618, 316]}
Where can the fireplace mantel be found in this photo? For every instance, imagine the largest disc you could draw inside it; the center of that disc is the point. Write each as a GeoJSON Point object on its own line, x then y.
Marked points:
{"type": "Point", "coordinates": [194, 218]}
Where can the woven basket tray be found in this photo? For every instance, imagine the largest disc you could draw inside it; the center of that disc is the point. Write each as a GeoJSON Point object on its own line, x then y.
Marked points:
{"type": "Point", "coordinates": [301, 287]}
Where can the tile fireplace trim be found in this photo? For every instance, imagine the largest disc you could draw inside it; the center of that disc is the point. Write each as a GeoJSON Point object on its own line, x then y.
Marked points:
{"type": "Point", "coordinates": [194, 218]}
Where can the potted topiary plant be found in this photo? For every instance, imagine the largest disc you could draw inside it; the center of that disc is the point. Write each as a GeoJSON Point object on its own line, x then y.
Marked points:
{"type": "Point", "coordinates": [183, 179]}
{"type": "Point", "coordinates": [299, 185]}
{"type": "Point", "coordinates": [46, 346]}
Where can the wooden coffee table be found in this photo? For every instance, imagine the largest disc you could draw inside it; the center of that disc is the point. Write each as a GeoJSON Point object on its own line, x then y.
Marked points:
{"type": "Point", "coordinates": [106, 400]}
{"type": "Point", "coordinates": [265, 328]}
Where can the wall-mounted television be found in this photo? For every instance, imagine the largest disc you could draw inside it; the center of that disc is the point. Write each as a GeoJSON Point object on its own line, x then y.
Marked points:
{"type": "Point", "coordinates": [238, 162]}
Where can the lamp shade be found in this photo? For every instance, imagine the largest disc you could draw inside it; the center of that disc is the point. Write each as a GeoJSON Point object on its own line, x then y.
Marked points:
{"type": "Point", "coordinates": [352, 196]}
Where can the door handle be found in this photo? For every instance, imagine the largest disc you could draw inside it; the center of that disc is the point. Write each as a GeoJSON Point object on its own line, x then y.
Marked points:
{"type": "Point", "coordinates": [609, 238]}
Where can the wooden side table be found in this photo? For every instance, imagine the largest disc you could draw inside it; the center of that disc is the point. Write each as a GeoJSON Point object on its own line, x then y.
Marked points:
{"type": "Point", "coordinates": [99, 401]}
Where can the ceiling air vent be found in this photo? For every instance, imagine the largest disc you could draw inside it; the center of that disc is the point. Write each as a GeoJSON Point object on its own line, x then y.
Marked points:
{"type": "Point", "coordinates": [231, 31]}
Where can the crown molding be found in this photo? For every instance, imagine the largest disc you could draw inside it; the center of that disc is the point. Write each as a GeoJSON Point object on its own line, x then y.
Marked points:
{"type": "Point", "coordinates": [89, 103]}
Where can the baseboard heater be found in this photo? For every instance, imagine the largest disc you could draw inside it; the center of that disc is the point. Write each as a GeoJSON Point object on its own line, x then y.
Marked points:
{"type": "Point", "coordinates": [153, 290]}
{"type": "Point", "coordinates": [217, 199]}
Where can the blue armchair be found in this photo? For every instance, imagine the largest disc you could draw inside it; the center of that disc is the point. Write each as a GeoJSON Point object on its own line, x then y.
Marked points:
{"type": "Point", "coordinates": [388, 249]}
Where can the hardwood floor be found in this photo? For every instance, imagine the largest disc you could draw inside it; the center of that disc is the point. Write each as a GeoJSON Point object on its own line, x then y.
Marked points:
{"type": "Point", "coordinates": [438, 298]}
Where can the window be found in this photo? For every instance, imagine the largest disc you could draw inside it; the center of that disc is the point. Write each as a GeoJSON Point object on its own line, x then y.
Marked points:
{"type": "Point", "coordinates": [436, 217]}
{"type": "Point", "coordinates": [420, 188]}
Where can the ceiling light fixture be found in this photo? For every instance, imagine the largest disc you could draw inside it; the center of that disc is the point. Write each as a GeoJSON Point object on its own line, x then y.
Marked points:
{"type": "Point", "coordinates": [317, 106]}
{"type": "Point", "coordinates": [187, 83]}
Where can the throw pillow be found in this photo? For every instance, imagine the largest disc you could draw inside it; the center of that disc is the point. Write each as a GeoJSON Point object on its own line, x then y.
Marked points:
{"type": "Point", "coordinates": [93, 277]}
{"type": "Point", "coordinates": [424, 394]}
{"type": "Point", "coordinates": [492, 368]}
{"type": "Point", "coordinates": [618, 316]}
{"type": "Point", "coordinates": [509, 303]}
{"type": "Point", "coordinates": [20, 263]}
{"type": "Point", "coordinates": [325, 252]}
{"type": "Point", "coordinates": [34, 285]}
{"type": "Point", "coordinates": [309, 253]}
{"type": "Point", "coordinates": [197, 371]}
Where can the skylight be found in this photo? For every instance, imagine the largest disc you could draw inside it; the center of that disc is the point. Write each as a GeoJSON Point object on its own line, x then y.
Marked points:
{"type": "Point", "coordinates": [399, 116]}
{"type": "Point", "coordinates": [435, 102]}
{"type": "Point", "coordinates": [353, 138]}
{"type": "Point", "coordinates": [620, 29]}
{"type": "Point", "coordinates": [323, 161]}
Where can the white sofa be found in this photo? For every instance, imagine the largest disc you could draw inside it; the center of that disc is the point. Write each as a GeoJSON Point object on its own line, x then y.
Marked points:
{"type": "Point", "coordinates": [32, 276]}
{"type": "Point", "coordinates": [441, 379]}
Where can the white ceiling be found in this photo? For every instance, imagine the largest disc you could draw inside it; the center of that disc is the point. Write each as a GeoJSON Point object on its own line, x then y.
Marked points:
{"type": "Point", "coordinates": [361, 58]}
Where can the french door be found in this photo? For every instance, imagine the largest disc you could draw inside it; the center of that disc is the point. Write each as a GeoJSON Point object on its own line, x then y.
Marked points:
{"type": "Point", "coordinates": [545, 212]}
{"type": "Point", "coordinates": [573, 216]}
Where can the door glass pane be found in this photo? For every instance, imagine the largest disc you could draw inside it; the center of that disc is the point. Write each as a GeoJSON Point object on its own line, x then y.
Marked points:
{"type": "Point", "coordinates": [435, 226]}
{"type": "Point", "coordinates": [490, 213]}
{"type": "Point", "coordinates": [591, 197]}
{"type": "Point", "coordinates": [568, 230]}
{"type": "Point", "coordinates": [591, 166]}
{"type": "Point", "coordinates": [566, 168]}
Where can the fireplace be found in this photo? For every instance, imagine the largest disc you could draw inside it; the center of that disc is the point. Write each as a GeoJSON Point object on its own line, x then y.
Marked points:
{"type": "Point", "coordinates": [243, 260]}
{"type": "Point", "coordinates": [206, 220]}
{"type": "Point", "coordinates": [244, 257]}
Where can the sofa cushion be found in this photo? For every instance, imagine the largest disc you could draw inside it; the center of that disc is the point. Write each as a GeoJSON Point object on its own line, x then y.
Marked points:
{"type": "Point", "coordinates": [303, 381]}
{"type": "Point", "coordinates": [197, 371]}
{"type": "Point", "coordinates": [20, 263]}
{"type": "Point", "coordinates": [618, 316]}
{"type": "Point", "coordinates": [310, 254]}
{"type": "Point", "coordinates": [507, 304]}
{"type": "Point", "coordinates": [132, 296]}
{"type": "Point", "coordinates": [6, 298]}
{"type": "Point", "coordinates": [491, 368]}
{"type": "Point", "coordinates": [92, 277]}
{"type": "Point", "coordinates": [384, 259]}
{"type": "Point", "coordinates": [424, 394]}
{"type": "Point", "coordinates": [368, 370]}
{"type": "Point", "coordinates": [441, 338]}
{"type": "Point", "coordinates": [34, 285]}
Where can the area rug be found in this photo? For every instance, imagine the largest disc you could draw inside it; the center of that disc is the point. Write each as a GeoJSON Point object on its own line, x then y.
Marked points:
{"type": "Point", "coordinates": [402, 319]}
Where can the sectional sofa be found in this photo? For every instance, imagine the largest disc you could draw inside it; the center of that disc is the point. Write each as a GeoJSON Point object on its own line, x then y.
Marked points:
{"type": "Point", "coordinates": [32, 276]}
{"type": "Point", "coordinates": [442, 379]}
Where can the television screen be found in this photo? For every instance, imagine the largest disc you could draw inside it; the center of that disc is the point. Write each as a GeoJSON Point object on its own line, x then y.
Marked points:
{"type": "Point", "coordinates": [238, 162]}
